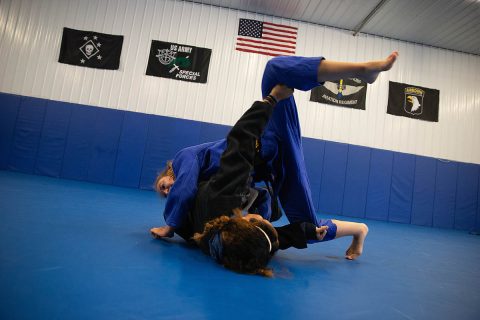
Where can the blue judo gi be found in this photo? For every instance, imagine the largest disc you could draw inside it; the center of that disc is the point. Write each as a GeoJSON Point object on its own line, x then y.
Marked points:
{"type": "Point", "coordinates": [281, 148]}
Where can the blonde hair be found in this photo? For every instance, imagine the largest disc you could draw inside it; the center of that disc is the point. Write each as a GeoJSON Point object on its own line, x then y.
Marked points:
{"type": "Point", "coordinates": [166, 172]}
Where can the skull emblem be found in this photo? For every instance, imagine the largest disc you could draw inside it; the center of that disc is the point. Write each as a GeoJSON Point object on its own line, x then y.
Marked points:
{"type": "Point", "coordinates": [89, 49]}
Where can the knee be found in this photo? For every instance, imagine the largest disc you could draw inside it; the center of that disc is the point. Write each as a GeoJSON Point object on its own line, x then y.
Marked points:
{"type": "Point", "coordinates": [363, 228]}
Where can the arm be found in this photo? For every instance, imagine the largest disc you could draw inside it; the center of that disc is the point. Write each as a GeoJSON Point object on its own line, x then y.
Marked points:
{"type": "Point", "coordinates": [298, 234]}
{"type": "Point", "coordinates": [181, 195]}
{"type": "Point", "coordinates": [183, 191]}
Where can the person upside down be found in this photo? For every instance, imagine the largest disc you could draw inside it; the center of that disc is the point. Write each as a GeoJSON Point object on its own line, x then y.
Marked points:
{"type": "Point", "coordinates": [209, 186]}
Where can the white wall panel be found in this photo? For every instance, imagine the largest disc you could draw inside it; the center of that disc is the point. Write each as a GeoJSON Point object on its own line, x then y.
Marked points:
{"type": "Point", "coordinates": [30, 35]}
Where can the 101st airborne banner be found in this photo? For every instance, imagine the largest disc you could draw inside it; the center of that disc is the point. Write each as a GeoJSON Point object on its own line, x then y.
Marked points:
{"type": "Point", "coordinates": [178, 61]}
{"type": "Point", "coordinates": [349, 93]}
{"type": "Point", "coordinates": [411, 101]}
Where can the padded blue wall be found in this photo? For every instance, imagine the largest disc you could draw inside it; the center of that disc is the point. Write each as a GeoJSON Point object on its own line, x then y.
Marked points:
{"type": "Point", "coordinates": [9, 106]}
{"type": "Point", "coordinates": [445, 194]}
{"type": "Point", "coordinates": [122, 148]}
{"type": "Point", "coordinates": [26, 137]}
{"type": "Point", "coordinates": [333, 177]}
{"type": "Point", "coordinates": [401, 190]}
{"type": "Point", "coordinates": [131, 149]}
{"type": "Point", "coordinates": [315, 149]}
{"type": "Point", "coordinates": [356, 181]}
{"type": "Point", "coordinates": [424, 191]}
{"type": "Point", "coordinates": [379, 182]}
{"type": "Point", "coordinates": [53, 140]}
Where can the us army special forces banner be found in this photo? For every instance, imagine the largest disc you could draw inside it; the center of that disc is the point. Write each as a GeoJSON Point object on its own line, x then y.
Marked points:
{"type": "Point", "coordinates": [178, 61]}
{"type": "Point", "coordinates": [413, 101]}
{"type": "Point", "coordinates": [350, 93]}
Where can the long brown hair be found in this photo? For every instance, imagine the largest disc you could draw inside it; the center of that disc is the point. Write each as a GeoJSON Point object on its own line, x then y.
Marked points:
{"type": "Point", "coordinates": [245, 248]}
{"type": "Point", "coordinates": [166, 172]}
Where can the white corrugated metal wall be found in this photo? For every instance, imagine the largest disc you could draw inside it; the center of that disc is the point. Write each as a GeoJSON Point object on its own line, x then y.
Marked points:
{"type": "Point", "coordinates": [30, 35]}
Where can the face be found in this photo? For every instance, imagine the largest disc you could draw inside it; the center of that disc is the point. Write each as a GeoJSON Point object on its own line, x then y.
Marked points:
{"type": "Point", "coordinates": [164, 184]}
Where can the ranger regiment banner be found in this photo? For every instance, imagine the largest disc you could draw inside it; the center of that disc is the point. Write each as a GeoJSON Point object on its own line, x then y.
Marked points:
{"type": "Point", "coordinates": [350, 93]}
{"type": "Point", "coordinates": [178, 61]}
{"type": "Point", "coordinates": [90, 49]}
{"type": "Point", "coordinates": [413, 101]}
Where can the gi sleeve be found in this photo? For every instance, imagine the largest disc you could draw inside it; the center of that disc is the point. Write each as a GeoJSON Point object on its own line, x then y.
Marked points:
{"type": "Point", "coordinates": [295, 72]}
{"type": "Point", "coordinates": [296, 235]}
{"type": "Point", "coordinates": [182, 194]}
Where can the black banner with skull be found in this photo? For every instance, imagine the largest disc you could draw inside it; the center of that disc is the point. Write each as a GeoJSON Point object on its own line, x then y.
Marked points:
{"type": "Point", "coordinates": [413, 101]}
{"type": "Point", "coordinates": [178, 61]}
{"type": "Point", "coordinates": [90, 49]}
{"type": "Point", "coordinates": [349, 93]}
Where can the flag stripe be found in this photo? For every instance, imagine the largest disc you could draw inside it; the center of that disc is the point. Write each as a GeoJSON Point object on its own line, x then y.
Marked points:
{"type": "Point", "coordinates": [266, 42]}
{"type": "Point", "coordinates": [273, 51]}
{"type": "Point", "coordinates": [263, 47]}
{"type": "Point", "coordinates": [279, 30]}
{"type": "Point", "coordinates": [286, 41]}
{"type": "Point", "coordinates": [258, 51]}
{"type": "Point", "coordinates": [283, 36]}
{"type": "Point", "coordinates": [280, 25]}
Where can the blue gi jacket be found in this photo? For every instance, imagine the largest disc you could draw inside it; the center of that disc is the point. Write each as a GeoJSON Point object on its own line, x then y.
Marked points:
{"type": "Point", "coordinates": [281, 148]}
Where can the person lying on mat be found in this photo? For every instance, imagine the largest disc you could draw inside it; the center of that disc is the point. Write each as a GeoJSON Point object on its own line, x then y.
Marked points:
{"type": "Point", "coordinates": [279, 145]}
{"type": "Point", "coordinates": [246, 243]}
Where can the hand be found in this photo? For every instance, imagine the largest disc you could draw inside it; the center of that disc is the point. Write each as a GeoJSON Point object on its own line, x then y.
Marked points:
{"type": "Point", "coordinates": [162, 232]}
{"type": "Point", "coordinates": [321, 232]}
{"type": "Point", "coordinates": [281, 91]}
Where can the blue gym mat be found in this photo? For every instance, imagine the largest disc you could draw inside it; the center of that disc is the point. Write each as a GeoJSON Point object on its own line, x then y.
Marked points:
{"type": "Point", "coordinates": [77, 250]}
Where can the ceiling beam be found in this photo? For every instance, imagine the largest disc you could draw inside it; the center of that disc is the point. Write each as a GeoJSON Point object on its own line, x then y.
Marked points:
{"type": "Point", "coordinates": [370, 16]}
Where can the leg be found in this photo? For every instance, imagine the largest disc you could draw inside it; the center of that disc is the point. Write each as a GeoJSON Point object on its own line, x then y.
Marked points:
{"type": "Point", "coordinates": [238, 159]}
{"type": "Point", "coordinates": [282, 139]}
{"type": "Point", "coordinates": [367, 71]}
{"type": "Point", "coordinates": [358, 231]}
{"type": "Point", "coordinates": [288, 165]}
{"type": "Point", "coordinates": [229, 187]}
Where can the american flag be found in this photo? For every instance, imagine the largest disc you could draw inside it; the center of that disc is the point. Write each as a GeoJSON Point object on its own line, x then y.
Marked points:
{"type": "Point", "coordinates": [267, 38]}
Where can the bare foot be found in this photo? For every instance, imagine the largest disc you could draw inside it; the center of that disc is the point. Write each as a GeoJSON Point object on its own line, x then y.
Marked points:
{"type": "Point", "coordinates": [356, 247]}
{"type": "Point", "coordinates": [373, 68]}
{"type": "Point", "coordinates": [162, 232]}
{"type": "Point", "coordinates": [355, 250]}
